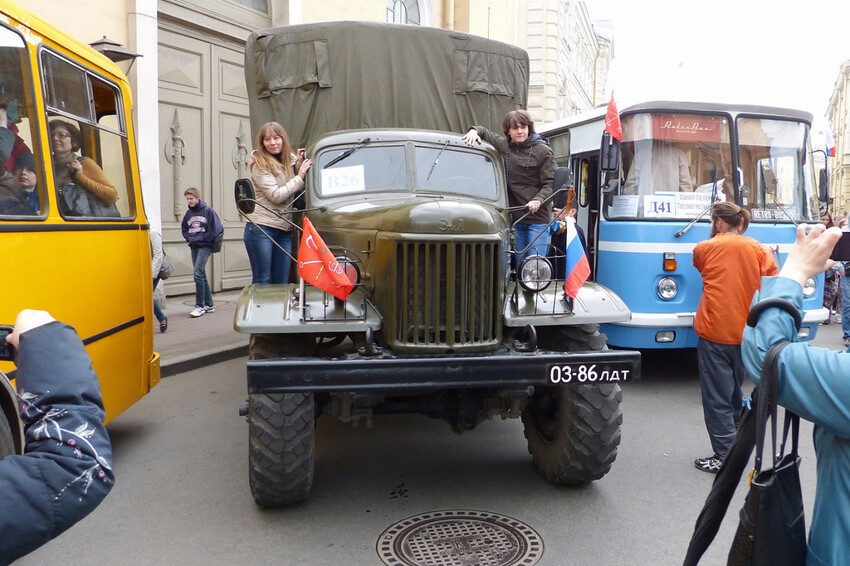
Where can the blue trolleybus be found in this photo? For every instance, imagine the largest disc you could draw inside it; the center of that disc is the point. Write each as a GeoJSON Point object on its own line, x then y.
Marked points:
{"type": "Point", "coordinates": [644, 202]}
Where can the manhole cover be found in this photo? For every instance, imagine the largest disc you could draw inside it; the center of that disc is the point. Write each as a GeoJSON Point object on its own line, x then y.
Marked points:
{"type": "Point", "coordinates": [460, 537]}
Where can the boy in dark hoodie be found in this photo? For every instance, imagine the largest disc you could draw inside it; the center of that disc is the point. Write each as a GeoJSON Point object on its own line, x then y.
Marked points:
{"type": "Point", "coordinates": [201, 226]}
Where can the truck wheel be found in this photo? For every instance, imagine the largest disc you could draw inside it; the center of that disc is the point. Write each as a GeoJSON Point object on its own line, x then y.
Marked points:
{"type": "Point", "coordinates": [281, 441]}
{"type": "Point", "coordinates": [281, 435]}
{"type": "Point", "coordinates": [573, 431]}
{"type": "Point", "coordinates": [7, 443]}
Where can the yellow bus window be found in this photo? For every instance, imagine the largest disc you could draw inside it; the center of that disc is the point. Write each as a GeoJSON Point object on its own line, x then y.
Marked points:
{"type": "Point", "coordinates": [88, 143]}
{"type": "Point", "coordinates": [19, 173]}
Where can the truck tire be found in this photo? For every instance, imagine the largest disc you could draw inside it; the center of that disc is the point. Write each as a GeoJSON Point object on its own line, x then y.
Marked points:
{"type": "Point", "coordinates": [573, 431]}
{"type": "Point", "coordinates": [7, 442]}
{"type": "Point", "coordinates": [281, 435]}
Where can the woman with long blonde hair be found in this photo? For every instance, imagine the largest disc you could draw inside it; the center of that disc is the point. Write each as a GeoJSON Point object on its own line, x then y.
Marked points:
{"type": "Point", "coordinates": [278, 176]}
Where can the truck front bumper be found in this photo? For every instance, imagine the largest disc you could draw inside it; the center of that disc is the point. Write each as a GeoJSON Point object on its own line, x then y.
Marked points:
{"type": "Point", "coordinates": [502, 369]}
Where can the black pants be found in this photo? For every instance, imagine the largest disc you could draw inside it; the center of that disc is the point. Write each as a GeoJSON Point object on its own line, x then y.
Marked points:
{"type": "Point", "coordinates": [721, 376]}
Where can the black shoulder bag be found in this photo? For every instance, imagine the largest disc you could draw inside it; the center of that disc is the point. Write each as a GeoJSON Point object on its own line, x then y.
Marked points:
{"type": "Point", "coordinates": [772, 526]}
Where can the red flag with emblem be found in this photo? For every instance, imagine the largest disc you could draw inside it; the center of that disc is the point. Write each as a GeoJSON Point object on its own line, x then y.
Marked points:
{"type": "Point", "coordinates": [612, 120]}
{"type": "Point", "coordinates": [318, 266]}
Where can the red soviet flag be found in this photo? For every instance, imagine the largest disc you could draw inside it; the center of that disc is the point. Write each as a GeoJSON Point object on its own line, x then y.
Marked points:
{"type": "Point", "coordinates": [318, 266]}
{"type": "Point", "coordinates": [612, 120]}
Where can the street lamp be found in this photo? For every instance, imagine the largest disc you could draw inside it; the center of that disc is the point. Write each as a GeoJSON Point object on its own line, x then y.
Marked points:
{"type": "Point", "coordinates": [115, 52]}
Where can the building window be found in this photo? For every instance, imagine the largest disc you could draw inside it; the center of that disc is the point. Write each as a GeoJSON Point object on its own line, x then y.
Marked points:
{"type": "Point", "coordinates": [259, 5]}
{"type": "Point", "coordinates": [403, 12]}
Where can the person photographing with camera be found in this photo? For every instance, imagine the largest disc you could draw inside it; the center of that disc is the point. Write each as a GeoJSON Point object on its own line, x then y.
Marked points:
{"type": "Point", "coordinates": [66, 468]}
{"type": "Point", "coordinates": [813, 382]}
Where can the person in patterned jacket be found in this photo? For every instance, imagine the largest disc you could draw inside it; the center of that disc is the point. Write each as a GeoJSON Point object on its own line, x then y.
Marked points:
{"type": "Point", "coordinates": [66, 468]}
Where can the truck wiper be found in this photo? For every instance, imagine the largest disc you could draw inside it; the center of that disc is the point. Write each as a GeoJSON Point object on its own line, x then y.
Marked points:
{"type": "Point", "coordinates": [436, 160]}
{"type": "Point", "coordinates": [347, 153]}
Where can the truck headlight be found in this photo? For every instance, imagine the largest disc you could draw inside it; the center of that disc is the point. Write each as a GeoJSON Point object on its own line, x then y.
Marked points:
{"type": "Point", "coordinates": [667, 288]}
{"type": "Point", "coordinates": [809, 288]}
{"type": "Point", "coordinates": [350, 268]}
{"type": "Point", "coordinates": [535, 273]}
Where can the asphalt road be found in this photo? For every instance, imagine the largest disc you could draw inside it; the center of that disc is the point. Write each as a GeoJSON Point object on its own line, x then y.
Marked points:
{"type": "Point", "coordinates": [182, 493]}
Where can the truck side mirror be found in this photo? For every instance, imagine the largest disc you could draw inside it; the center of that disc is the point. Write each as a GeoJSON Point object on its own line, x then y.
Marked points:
{"type": "Point", "coordinates": [609, 154]}
{"type": "Point", "coordinates": [563, 180]}
{"type": "Point", "coordinates": [243, 192]}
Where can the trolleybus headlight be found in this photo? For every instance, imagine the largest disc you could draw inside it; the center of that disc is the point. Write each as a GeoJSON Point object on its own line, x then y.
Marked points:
{"type": "Point", "coordinates": [667, 288]}
{"type": "Point", "coordinates": [809, 288]}
{"type": "Point", "coordinates": [535, 273]}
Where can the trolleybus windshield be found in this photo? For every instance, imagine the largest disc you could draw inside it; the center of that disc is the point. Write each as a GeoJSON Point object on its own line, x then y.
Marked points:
{"type": "Point", "coordinates": [675, 165]}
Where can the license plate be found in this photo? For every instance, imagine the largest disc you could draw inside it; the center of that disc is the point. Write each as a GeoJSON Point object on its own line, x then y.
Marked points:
{"type": "Point", "coordinates": [605, 372]}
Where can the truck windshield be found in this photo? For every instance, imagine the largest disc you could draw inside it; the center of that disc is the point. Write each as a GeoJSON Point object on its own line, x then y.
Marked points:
{"type": "Point", "coordinates": [437, 169]}
{"type": "Point", "coordinates": [676, 165]}
{"type": "Point", "coordinates": [460, 172]}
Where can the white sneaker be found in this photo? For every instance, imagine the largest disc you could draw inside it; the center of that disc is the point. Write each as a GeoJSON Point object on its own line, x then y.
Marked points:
{"type": "Point", "coordinates": [209, 309]}
{"type": "Point", "coordinates": [198, 311]}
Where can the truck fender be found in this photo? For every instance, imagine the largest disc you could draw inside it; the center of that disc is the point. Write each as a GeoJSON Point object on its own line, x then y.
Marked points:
{"type": "Point", "coordinates": [277, 309]}
{"type": "Point", "coordinates": [595, 304]}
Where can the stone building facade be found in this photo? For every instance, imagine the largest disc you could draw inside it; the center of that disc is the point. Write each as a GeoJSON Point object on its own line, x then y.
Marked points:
{"type": "Point", "coordinates": [191, 103]}
{"type": "Point", "coordinates": [838, 115]}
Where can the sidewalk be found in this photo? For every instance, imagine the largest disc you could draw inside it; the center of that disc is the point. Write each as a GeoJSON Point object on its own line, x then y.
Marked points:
{"type": "Point", "coordinates": [191, 343]}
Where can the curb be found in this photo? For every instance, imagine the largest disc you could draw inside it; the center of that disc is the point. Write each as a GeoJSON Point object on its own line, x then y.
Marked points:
{"type": "Point", "coordinates": [189, 363]}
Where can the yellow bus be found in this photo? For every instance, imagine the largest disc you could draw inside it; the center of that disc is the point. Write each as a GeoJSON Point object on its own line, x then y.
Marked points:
{"type": "Point", "coordinates": [77, 244]}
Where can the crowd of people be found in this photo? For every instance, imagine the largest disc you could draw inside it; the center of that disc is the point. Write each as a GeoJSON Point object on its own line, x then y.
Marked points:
{"type": "Point", "coordinates": [736, 271]}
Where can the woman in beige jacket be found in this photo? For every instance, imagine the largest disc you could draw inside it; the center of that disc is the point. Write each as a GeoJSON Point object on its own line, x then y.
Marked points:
{"type": "Point", "coordinates": [278, 176]}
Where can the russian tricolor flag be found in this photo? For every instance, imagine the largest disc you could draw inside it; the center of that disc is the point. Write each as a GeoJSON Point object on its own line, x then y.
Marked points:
{"type": "Point", "coordinates": [578, 268]}
{"type": "Point", "coordinates": [830, 142]}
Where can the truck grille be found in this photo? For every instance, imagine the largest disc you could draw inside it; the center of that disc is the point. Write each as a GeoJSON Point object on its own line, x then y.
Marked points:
{"type": "Point", "coordinates": [447, 295]}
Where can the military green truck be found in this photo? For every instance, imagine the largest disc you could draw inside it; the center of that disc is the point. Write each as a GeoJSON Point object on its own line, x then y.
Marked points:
{"type": "Point", "coordinates": [439, 322]}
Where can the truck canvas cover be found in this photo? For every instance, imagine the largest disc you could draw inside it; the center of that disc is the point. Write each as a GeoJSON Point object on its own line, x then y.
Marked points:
{"type": "Point", "coordinates": [318, 78]}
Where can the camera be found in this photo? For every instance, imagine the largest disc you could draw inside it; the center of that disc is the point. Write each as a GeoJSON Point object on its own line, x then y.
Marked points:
{"type": "Point", "coordinates": [7, 351]}
{"type": "Point", "coordinates": [841, 251]}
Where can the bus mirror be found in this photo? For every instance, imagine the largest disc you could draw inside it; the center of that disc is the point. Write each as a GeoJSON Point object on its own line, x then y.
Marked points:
{"type": "Point", "coordinates": [823, 186]}
{"type": "Point", "coordinates": [610, 188]}
{"type": "Point", "coordinates": [609, 155]}
{"type": "Point", "coordinates": [243, 192]}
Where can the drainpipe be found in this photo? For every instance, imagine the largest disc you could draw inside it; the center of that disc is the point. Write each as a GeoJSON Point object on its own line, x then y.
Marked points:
{"type": "Point", "coordinates": [449, 14]}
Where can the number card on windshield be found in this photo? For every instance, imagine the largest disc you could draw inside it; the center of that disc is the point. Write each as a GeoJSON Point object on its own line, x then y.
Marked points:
{"type": "Point", "coordinates": [659, 205]}
{"type": "Point", "coordinates": [339, 180]}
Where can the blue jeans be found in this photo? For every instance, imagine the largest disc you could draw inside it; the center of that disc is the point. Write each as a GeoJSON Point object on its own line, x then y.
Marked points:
{"type": "Point", "coordinates": [203, 295]}
{"type": "Point", "coordinates": [525, 234]}
{"type": "Point", "coordinates": [268, 263]}
{"type": "Point", "coordinates": [157, 312]}
{"type": "Point", "coordinates": [845, 305]}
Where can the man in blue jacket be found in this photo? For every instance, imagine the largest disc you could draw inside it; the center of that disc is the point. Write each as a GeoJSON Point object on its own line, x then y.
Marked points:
{"type": "Point", "coordinates": [815, 384]}
{"type": "Point", "coordinates": [66, 468]}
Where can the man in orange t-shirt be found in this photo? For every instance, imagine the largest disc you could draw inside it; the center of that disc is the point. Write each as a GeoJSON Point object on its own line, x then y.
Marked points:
{"type": "Point", "coordinates": [731, 266]}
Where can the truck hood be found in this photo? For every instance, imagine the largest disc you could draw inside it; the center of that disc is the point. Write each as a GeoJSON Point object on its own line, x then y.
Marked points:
{"type": "Point", "coordinates": [444, 216]}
